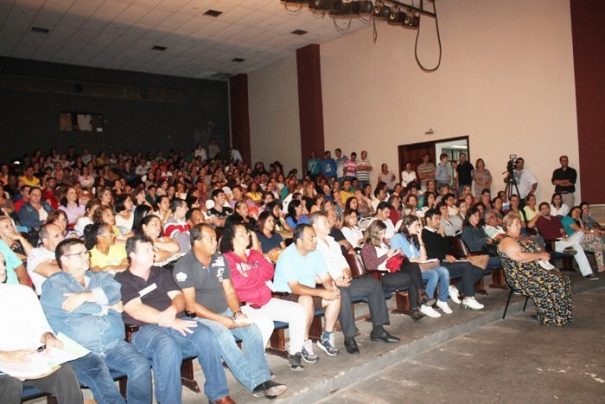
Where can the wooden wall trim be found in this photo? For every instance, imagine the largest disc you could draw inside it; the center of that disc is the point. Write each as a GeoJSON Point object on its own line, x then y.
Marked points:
{"type": "Point", "coordinates": [240, 116]}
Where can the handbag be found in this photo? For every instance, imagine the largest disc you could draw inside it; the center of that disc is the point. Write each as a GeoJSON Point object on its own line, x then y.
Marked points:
{"type": "Point", "coordinates": [479, 260]}
{"type": "Point", "coordinates": [394, 263]}
{"type": "Point", "coordinates": [427, 266]}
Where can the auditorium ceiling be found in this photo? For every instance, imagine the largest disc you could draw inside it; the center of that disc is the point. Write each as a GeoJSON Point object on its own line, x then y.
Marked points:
{"type": "Point", "coordinates": [173, 37]}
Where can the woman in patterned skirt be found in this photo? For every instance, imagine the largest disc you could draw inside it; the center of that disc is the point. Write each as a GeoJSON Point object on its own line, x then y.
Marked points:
{"type": "Point", "coordinates": [549, 289]}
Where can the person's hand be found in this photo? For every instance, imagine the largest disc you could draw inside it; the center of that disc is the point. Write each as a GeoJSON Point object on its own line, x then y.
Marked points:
{"type": "Point", "coordinates": [167, 317]}
{"type": "Point", "coordinates": [390, 253]}
{"type": "Point", "coordinates": [75, 300]}
{"type": "Point", "coordinates": [450, 258]}
{"type": "Point", "coordinates": [119, 307]}
{"type": "Point", "coordinates": [240, 316]}
{"type": "Point", "coordinates": [489, 241]}
{"type": "Point", "coordinates": [228, 322]}
{"type": "Point", "coordinates": [544, 255]}
{"type": "Point", "coordinates": [330, 294]}
{"type": "Point", "coordinates": [344, 281]}
{"type": "Point", "coordinates": [183, 326]}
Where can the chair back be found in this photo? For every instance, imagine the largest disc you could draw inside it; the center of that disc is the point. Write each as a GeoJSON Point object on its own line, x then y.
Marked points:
{"type": "Point", "coordinates": [356, 265]}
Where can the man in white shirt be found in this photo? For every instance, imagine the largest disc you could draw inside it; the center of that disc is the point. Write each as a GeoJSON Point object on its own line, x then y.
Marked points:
{"type": "Point", "coordinates": [491, 228]}
{"type": "Point", "coordinates": [526, 180]}
{"type": "Point", "coordinates": [41, 261]}
{"type": "Point", "coordinates": [25, 330]}
{"type": "Point", "coordinates": [365, 286]}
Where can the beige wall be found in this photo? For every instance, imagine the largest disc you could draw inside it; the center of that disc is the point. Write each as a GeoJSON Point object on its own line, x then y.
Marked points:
{"type": "Point", "coordinates": [506, 80]}
{"type": "Point", "coordinates": [274, 120]}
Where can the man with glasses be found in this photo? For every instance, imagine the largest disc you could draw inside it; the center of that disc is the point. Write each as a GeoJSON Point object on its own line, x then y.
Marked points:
{"type": "Point", "coordinates": [298, 269]}
{"type": "Point", "coordinates": [86, 306]}
{"type": "Point", "coordinates": [203, 275]}
{"type": "Point", "coordinates": [19, 339]}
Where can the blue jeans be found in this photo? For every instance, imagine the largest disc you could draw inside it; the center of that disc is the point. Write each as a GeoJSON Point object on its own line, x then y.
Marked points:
{"type": "Point", "coordinates": [126, 359]}
{"type": "Point", "coordinates": [441, 276]}
{"type": "Point", "coordinates": [92, 371]}
{"type": "Point", "coordinates": [248, 365]}
{"type": "Point", "coordinates": [166, 348]}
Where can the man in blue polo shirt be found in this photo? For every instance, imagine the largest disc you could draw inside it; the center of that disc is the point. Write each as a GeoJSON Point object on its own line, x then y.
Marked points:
{"type": "Point", "coordinates": [299, 268]}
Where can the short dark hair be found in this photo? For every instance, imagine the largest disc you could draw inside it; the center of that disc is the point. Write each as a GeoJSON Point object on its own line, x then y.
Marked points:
{"type": "Point", "coordinates": [299, 230]}
{"type": "Point", "coordinates": [190, 213]}
{"type": "Point", "coordinates": [64, 246]}
{"type": "Point", "coordinates": [216, 192]}
{"type": "Point", "coordinates": [131, 243]}
{"type": "Point", "coordinates": [383, 205]}
{"type": "Point", "coordinates": [196, 232]}
{"type": "Point", "coordinates": [175, 203]}
{"type": "Point", "coordinates": [432, 212]}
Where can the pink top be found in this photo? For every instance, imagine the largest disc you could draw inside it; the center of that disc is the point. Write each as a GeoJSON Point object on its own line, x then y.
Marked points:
{"type": "Point", "coordinates": [249, 277]}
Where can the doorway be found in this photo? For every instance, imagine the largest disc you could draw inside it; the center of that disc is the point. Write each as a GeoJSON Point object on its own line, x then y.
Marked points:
{"type": "Point", "coordinates": [413, 153]}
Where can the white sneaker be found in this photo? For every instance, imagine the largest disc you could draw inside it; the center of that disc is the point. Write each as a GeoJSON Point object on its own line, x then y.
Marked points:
{"type": "Point", "coordinates": [472, 304]}
{"type": "Point", "coordinates": [444, 307]}
{"type": "Point", "coordinates": [454, 294]}
{"type": "Point", "coordinates": [429, 311]}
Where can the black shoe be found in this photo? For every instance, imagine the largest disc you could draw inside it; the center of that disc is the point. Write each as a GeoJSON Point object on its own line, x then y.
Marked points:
{"type": "Point", "coordinates": [351, 346]}
{"type": "Point", "coordinates": [269, 389]}
{"type": "Point", "coordinates": [384, 337]}
{"type": "Point", "coordinates": [416, 314]}
{"type": "Point", "coordinates": [296, 362]}
{"type": "Point", "coordinates": [591, 277]}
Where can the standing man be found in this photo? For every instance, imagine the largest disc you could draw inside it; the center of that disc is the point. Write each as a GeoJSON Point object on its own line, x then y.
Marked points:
{"type": "Point", "coordinates": [426, 170]}
{"type": "Point", "coordinates": [313, 166]}
{"type": "Point", "coordinates": [363, 169]}
{"type": "Point", "coordinates": [564, 180]}
{"type": "Point", "coordinates": [464, 170]}
{"type": "Point", "coordinates": [444, 173]}
{"type": "Point", "coordinates": [328, 165]}
{"type": "Point", "coordinates": [340, 164]}
{"type": "Point", "coordinates": [86, 306]}
{"type": "Point", "coordinates": [526, 180]}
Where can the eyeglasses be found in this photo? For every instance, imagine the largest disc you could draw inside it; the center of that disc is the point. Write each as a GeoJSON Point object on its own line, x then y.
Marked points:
{"type": "Point", "coordinates": [81, 254]}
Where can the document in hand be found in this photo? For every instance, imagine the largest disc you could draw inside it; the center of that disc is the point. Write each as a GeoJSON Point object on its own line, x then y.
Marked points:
{"type": "Point", "coordinates": [40, 364]}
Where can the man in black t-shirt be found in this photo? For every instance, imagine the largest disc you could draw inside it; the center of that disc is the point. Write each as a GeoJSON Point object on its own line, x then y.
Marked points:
{"type": "Point", "coordinates": [219, 213]}
{"type": "Point", "coordinates": [564, 180]}
{"type": "Point", "coordinates": [155, 303]}
{"type": "Point", "coordinates": [465, 173]}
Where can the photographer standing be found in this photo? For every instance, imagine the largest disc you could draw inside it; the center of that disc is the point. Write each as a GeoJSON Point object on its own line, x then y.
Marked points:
{"type": "Point", "coordinates": [526, 180]}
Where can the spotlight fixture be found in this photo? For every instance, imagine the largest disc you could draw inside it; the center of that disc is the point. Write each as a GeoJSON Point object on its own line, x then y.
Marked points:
{"type": "Point", "coordinates": [381, 10]}
{"type": "Point", "coordinates": [322, 4]}
{"type": "Point", "coordinates": [396, 16]}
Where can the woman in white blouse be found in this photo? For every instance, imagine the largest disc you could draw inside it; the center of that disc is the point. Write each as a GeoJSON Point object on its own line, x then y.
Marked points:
{"type": "Point", "coordinates": [350, 229]}
{"type": "Point", "coordinates": [408, 175]}
{"type": "Point", "coordinates": [557, 207]}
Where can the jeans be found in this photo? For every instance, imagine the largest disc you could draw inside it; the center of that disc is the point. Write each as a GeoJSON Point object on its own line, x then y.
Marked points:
{"type": "Point", "coordinates": [437, 276]}
{"type": "Point", "coordinates": [62, 384]}
{"type": "Point", "coordinates": [467, 273]}
{"type": "Point", "coordinates": [166, 348]}
{"type": "Point", "coordinates": [93, 372]}
{"type": "Point", "coordinates": [248, 365]}
{"type": "Point", "coordinates": [126, 359]}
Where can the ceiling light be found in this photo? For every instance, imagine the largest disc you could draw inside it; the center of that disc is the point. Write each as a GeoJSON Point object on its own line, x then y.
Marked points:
{"type": "Point", "coordinates": [40, 30]}
{"type": "Point", "coordinates": [299, 32]}
{"type": "Point", "coordinates": [159, 48]}
{"type": "Point", "coordinates": [213, 13]}
{"type": "Point", "coordinates": [380, 10]}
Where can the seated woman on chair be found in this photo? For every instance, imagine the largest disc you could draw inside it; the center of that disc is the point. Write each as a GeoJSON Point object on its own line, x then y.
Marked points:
{"type": "Point", "coordinates": [549, 289]}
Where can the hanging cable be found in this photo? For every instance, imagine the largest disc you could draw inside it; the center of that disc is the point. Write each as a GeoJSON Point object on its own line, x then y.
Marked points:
{"type": "Point", "coordinates": [426, 69]}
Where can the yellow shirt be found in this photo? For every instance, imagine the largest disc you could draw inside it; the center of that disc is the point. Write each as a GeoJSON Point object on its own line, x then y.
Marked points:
{"type": "Point", "coordinates": [115, 256]}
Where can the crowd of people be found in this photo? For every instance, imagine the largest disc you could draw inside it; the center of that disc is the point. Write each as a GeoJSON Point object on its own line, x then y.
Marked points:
{"type": "Point", "coordinates": [199, 252]}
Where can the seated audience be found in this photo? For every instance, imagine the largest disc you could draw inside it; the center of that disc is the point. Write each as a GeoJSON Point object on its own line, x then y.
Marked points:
{"type": "Point", "coordinates": [589, 222]}
{"type": "Point", "coordinates": [572, 223]}
{"type": "Point", "coordinates": [176, 227]}
{"type": "Point", "coordinates": [71, 206]}
{"type": "Point", "coordinates": [271, 242]}
{"type": "Point", "coordinates": [33, 214]}
{"type": "Point", "coordinates": [551, 229]}
{"type": "Point", "coordinates": [91, 206]}
{"type": "Point", "coordinates": [438, 246]}
{"type": "Point", "coordinates": [450, 225]}
{"type": "Point", "coordinates": [124, 208]}
{"type": "Point", "coordinates": [18, 338]}
{"type": "Point", "coordinates": [15, 240]}
{"type": "Point", "coordinates": [549, 289]}
{"type": "Point", "coordinates": [164, 247]}
{"type": "Point", "coordinates": [296, 214]}
{"type": "Point", "coordinates": [153, 302]}
{"type": "Point", "coordinates": [87, 306]}
{"type": "Point", "coordinates": [557, 207]}
{"type": "Point", "coordinates": [297, 269]}
{"type": "Point", "coordinates": [204, 276]}
{"type": "Point", "coordinates": [105, 254]}
{"type": "Point", "coordinates": [409, 241]}
{"type": "Point", "coordinates": [350, 230]}
{"type": "Point", "coordinates": [249, 272]}
{"type": "Point", "coordinates": [477, 240]}
{"type": "Point", "coordinates": [349, 288]}
{"type": "Point", "coordinates": [376, 252]}
{"type": "Point", "coordinates": [41, 261]}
